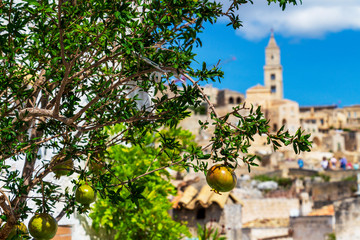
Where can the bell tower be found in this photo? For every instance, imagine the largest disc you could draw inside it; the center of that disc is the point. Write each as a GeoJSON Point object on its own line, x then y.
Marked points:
{"type": "Point", "coordinates": [273, 76]}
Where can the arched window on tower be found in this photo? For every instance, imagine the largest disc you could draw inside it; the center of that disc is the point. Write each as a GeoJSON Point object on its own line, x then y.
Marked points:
{"type": "Point", "coordinates": [272, 76]}
{"type": "Point", "coordinates": [273, 89]}
{"type": "Point", "coordinates": [238, 100]}
{"type": "Point", "coordinates": [231, 100]}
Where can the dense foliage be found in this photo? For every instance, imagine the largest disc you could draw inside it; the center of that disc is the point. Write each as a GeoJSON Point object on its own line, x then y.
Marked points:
{"type": "Point", "coordinates": [70, 68]}
{"type": "Point", "coordinates": [147, 218]}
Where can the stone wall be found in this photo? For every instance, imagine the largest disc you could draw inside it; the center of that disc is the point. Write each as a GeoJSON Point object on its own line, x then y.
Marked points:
{"type": "Point", "coordinates": [352, 141]}
{"type": "Point", "coordinates": [311, 227]}
{"type": "Point", "coordinates": [232, 218]}
{"type": "Point", "coordinates": [265, 233]}
{"type": "Point", "coordinates": [339, 175]}
{"type": "Point", "coordinates": [297, 172]}
{"type": "Point", "coordinates": [347, 215]}
{"type": "Point", "coordinates": [64, 233]}
{"type": "Point", "coordinates": [331, 191]}
{"type": "Point", "coordinates": [334, 142]}
{"type": "Point", "coordinates": [268, 208]}
{"type": "Point", "coordinates": [229, 97]}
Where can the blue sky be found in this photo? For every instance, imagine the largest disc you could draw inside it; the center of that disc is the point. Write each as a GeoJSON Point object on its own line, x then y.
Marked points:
{"type": "Point", "coordinates": [320, 50]}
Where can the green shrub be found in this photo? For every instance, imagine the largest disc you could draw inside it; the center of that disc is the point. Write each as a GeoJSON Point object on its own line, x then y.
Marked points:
{"type": "Point", "coordinates": [282, 182]}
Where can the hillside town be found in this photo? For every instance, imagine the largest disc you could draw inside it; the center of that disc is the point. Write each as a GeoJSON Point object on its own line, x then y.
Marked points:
{"type": "Point", "coordinates": [313, 195]}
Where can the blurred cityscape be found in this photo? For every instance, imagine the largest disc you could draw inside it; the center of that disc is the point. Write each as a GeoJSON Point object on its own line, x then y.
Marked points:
{"type": "Point", "coordinates": [308, 196]}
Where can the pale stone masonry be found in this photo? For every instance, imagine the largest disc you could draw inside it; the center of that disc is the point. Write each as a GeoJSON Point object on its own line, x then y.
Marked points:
{"type": "Point", "coordinates": [273, 76]}
{"type": "Point", "coordinates": [269, 208]}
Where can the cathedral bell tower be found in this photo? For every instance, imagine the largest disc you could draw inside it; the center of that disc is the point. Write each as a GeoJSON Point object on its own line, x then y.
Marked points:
{"type": "Point", "coordinates": [273, 77]}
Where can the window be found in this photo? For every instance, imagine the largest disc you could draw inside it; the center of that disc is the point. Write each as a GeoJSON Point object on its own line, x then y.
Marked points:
{"type": "Point", "coordinates": [272, 76]}
{"type": "Point", "coordinates": [231, 100]}
{"type": "Point", "coordinates": [275, 127]}
{"type": "Point", "coordinates": [273, 89]}
{"type": "Point", "coordinates": [352, 135]}
{"type": "Point", "coordinates": [200, 213]}
{"type": "Point", "coordinates": [272, 56]}
{"type": "Point", "coordinates": [238, 100]}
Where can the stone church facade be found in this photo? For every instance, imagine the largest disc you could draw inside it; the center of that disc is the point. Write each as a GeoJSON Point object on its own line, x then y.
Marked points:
{"type": "Point", "coordinates": [270, 97]}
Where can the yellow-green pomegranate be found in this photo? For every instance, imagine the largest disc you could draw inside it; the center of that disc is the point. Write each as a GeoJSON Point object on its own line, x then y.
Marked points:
{"type": "Point", "coordinates": [221, 178]}
{"type": "Point", "coordinates": [85, 194]}
{"type": "Point", "coordinates": [42, 226]}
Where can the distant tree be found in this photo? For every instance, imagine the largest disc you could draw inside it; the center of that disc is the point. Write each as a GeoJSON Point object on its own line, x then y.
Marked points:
{"type": "Point", "coordinates": [68, 69]}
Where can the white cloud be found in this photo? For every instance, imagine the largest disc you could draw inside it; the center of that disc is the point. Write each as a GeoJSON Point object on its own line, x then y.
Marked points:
{"type": "Point", "coordinates": [311, 19]}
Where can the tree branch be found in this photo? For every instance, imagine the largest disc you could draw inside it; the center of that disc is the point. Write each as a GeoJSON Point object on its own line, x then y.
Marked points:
{"type": "Point", "coordinates": [37, 112]}
{"type": "Point", "coordinates": [11, 219]}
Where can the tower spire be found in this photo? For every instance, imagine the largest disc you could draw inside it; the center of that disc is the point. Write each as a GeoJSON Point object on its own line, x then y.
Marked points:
{"type": "Point", "coordinates": [272, 42]}
{"type": "Point", "coordinates": [273, 68]}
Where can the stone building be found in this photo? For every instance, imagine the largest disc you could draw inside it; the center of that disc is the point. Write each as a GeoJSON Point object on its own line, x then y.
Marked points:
{"type": "Point", "coordinates": [347, 218]}
{"type": "Point", "coordinates": [229, 97]}
{"type": "Point", "coordinates": [273, 76]}
{"type": "Point", "coordinates": [352, 114]}
{"type": "Point", "coordinates": [220, 98]}
{"type": "Point", "coordinates": [197, 204]}
{"type": "Point", "coordinates": [268, 218]}
{"type": "Point", "coordinates": [320, 119]}
{"type": "Point", "coordinates": [326, 193]}
{"type": "Point", "coordinates": [332, 128]}
{"type": "Point", "coordinates": [317, 225]}
{"type": "Point", "coordinates": [280, 111]}
{"type": "Point", "coordinates": [352, 140]}
{"type": "Point", "coordinates": [257, 209]}
{"type": "Point", "coordinates": [258, 96]}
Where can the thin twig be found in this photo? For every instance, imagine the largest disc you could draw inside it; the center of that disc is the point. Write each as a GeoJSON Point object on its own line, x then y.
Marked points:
{"type": "Point", "coordinates": [154, 159]}
{"type": "Point", "coordinates": [203, 94]}
{"type": "Point", "coordinates": [43, 195]}
{"type": "Point", "coordinates": [163, 167]}
{"type": "Point", "coordinates": [87, 161]}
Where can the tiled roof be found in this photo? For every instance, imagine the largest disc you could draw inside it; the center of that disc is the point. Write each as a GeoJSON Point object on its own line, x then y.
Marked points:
{"type": "Point", "coordinates": [276, 102]}
{"type": "Point", "coordinates": [192, 197]}
{"type": "Point", "coordinates": [267, 223]}
{"type": "Point", "coordinates": [327, 210]}
{"type": "Point", "coordinates": [258, 87]}
{"type": "Point", "coordinates": [353, 106]}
